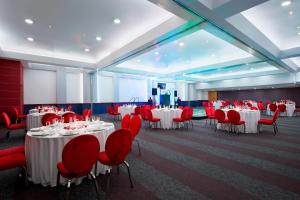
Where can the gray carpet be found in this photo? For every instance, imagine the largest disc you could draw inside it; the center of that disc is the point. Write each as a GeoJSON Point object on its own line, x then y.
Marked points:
{"type": "Point", "coordinates": [196, 163]}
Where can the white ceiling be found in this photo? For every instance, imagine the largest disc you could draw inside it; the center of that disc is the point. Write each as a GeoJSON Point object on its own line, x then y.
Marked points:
{"type": "Point", "coordinates": [74, 26]}
{"type": "Point", "coordinates": [277, 23]}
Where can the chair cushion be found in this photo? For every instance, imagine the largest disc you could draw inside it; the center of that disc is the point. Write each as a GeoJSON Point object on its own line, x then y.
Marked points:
{"type": "Point", "coordinates": [239, 123]}
{"type": "Point", "coordinates": [211, 117]}
{"type": "Point", "coordinates": [22, 116]}
{"type": "Point", "coordinates": [12, 161]}
{"type": "Point", "coordinates": [265, 121]}
{"type": "Point", "coordinates": [225, 121]}
{"type": "Point", "coordinates": [65, 173]}
{"type": "Point", "coordinates": [17, 126]}
{"type": "Point", "coordinates": [155, 119]}
{"type": "Point", "coordinates": [102, 157]}
{"type": "Point", "coordinates": [12, 151]}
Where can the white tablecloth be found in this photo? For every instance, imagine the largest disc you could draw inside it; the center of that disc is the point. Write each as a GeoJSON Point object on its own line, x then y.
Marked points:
{"type": "Point", "coordinates": [250, 117]}
{"type": "Point", "coordinates": [44, 152]}
{"type": "Point", "coordinates": [123, 110]}
{"type": "Point", "coordinates": [217, 105]}
{"type": "Point", "coordinates": [166, 116]}
{"type": "Point", "coordinates": [34, 120]}
{"type": "Point", "coordinates": [290, 108]}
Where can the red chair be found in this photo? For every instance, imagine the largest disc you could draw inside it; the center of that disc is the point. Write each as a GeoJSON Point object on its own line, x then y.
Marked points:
{"type": "Point", "coordinates": [10, 126]}
{"type": "Point", "coordinates": [273, 107]}
{"type": "Point", "coordinates": [261, 106]}
{"type": "Point", "coordinates": [86, 114]}
{"type": "Point", "coordinates": [68, 117]}
{"type": "Point", "coordinates": [204, 104]}
{"type": "Point", "coordinates": [14, 158]}
{"type": "Point", "coordinates": [137, 110]}
{"type": "Point", "coordinates": [134, 127]}
{"type": "Point", "coordinates": [253, 108]}
{"type": "Point", "coordinates": [117, 147]}
{"type": "Point", "coordinates": [116, 108]}
{"type": "Point", "coordinates": [282, 108]}
{"type": "Point", "coordinates": [270, 122]}
{"type": "Point", "coordinates": [152, 119]}
{"type": "Point", "coordinates": [111, 111]}
{"type": "Point", "coordinates": [249, 105]}
{"type": "Point", "coordinates": [52, 119]}
{"type": "Point", "coordinates": [235, 120]}
{"type": "Point", "coordinates": [182, 118]}
{"type": "Point", "coordinates": [19, 116]}
{"type": "Point", "coordinates": [125, 121]}
{"type": "Point", "coordinates": [220, 118]}
{"type": "Point", "coordinates": [78, 157]}
{"type": "Point", "coordinates": [190, 116]}
{"type": "Point", "coordinates": [46, 116]}
{"type": "Point", "coordinates": [210, 113]}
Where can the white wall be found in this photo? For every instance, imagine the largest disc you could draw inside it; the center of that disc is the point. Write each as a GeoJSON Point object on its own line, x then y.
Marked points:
{"type": "Point", "coordinates": [131, 87]}
{"type": "Point", "coordinates": [39, 86]}
{"type": "Point", "coordinates": [105, 87]}
{"type": "Point", "coordinates": [74, 87]}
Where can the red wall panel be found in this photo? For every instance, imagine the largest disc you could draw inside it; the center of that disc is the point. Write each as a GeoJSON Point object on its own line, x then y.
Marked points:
{"type": "Point", "coordinates": [11, 85]}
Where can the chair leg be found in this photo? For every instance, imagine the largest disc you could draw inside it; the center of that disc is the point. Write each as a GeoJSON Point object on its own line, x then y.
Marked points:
{"type": "Point", "coordinates": [24, 172]}
{"type": "Point", "coordinates": [107, 181]}
{"type": "Point", "coordinates": [129, 175]}
{"type": "Point", "coordinates": [95, 184]}
{"type": "Point", "coordinates": [95, 171]}
{"type": "Point", "coordinates": [7, 134]}
{"type": "Point", "coordinates": [216, 127]}
{"type": "Point", "coordinates": [118, 170]}
{"type": "Point", "coordinates": [57, 181]}
{"type": "Point", "coordinates": [68, 189]}
{"type": "Point", "coordinates": [138, 143]}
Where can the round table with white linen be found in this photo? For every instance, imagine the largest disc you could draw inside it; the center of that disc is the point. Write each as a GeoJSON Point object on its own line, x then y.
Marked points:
{"type": "Point", "coordinates": [290, 108]}
{"type": "Point", "coordinates": [166, 116]}
{"type": "Point", "coordinates": [126, 109]}
{"type": "Point", "coordinates": [217, 104]}
{"type": "Point", "coordinates": [34, 120]}
{"type": "Point", "coordinates": [251, 118]}
{"type": "Point", "coordinates": [44, 147]}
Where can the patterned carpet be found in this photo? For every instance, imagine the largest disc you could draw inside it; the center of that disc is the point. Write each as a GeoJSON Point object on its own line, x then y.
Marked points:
{"type": "Point", "coordinates": [191, 164]}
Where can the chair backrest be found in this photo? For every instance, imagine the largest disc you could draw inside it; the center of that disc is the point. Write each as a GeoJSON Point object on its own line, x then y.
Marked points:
{"type": "Point", "coordinates": [208, 111]}
{"type": "Point", "coordinates": [68, 117]}
{"type": "Point", "coordinates": [249, 104]}
{"type": "Point", "coordinates": [135, 125]}
{"type": "Point", "coordinates": [80, 154]}
{"type": "Point", "coordinates": [273, 107]}
{"type": "Point", "coordinates": [233, 116]}
{"type": "Point", "coordinates": [148, 115]}
{"type": "Point", "coordinates": [69, 108]}
{"type": "Point", "coordinates": [125, 121]}
{"type": "Point", "coordinates": [109, 110]}
{"type": "Point", "coordinates": [116, 107]}
{"type": "Point", "coordinates": [52, 119]}
{"type": "Point", "coordinates": [118, 145]}
{"type": "Point", "coordinates": [6, 119]}
{"type": "Point", "coordinates": [137, 110]}
{"type": "Point", "coordinates": [260, 105]}
{"type": "Point", "coordinates": [16, 111]}
{"type": "Point", "coordinates": [282, 107]}
{"type": "Point", "coordinates": [253, 108]}
{"type": "Point", "coordinates": [143, 113]}
{"type": "Point", "coordinates": [276, 115]}
{"type": "Point", "coordinates": [46, 116]}
{"type": "Point", "coordinates": [220, 115]}
{"type": "Point", "coordinates": [185, 114]}
{"type": "Point", "coordinates": [204, 104]}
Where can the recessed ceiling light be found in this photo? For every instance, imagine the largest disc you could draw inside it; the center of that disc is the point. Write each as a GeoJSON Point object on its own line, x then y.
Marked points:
{"type": "Point", "coordinates": [181, 44]}
{"type": "Point", "coordinates": [299, 33]}
{"type": "Point", "coordinates": [291, 13]}
{"type": "Point", "coordinates": [87, 50]}
{"type": "Point", "coordinates": [117, 21]}
{"type": "Point", "coordinates": [98, 38]}
{"type": "Point", "coordinates": [286, 3]}
{"type": "Point", "coordinates": [156, 53]}
{"type": "Point", "coordinates": [30, 39]}
{"type": "Point", "coordinates": [298, 27]}
{"type": "Point", "coordinates": [138, 60]}
{"type": "Point", "coordinates": [50, 26]}
{"type": "Point", "coordinates": [29, 21]}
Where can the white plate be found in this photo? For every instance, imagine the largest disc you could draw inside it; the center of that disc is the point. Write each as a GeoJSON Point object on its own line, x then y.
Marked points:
{"type": "Point", "coordinates": [36, 129]}
{"type": "Point", "coordinates": [41, 133]}
{"type": "Point", "coordinates": [68, 133]}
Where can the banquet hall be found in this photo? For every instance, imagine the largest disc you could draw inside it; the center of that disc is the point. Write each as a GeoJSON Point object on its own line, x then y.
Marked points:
{"type": "Point", "coordinates": [150, 99]}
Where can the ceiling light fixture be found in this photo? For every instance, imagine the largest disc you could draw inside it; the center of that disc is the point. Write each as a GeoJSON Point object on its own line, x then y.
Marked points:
{"type": "Point", "coordinates": [117, 21]}
{"type": "Point", "coordinates": [98, 38]}
{"type": "Point", "coordinates": [30, 39]}
{"type": "Point", "coordinates": [299, 33]}
{"type": "Point", "coordinates": [291, 13]}
{"type": "Point", "coordinates": [181, 44]}
{"type": "Point", "coordinates": [29, 21]}
{"type": "Point", "coordinates": [286, 3]}
{"type": "Point", "coordinates": [156, 53]}
{"type": "Point", "coordinates": [87, 50]}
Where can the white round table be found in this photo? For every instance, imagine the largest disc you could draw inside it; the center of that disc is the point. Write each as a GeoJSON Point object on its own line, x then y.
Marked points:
{"type": "Point", "coordinates": [290, 108]}
{"type": "Point", "coordinates": [44, 152]}
{"type": "Point", "coordinates": [166, 116]}
{"type": "Point", "coordinates": [251, 118]}
{"type": "Point", "coordinates": [123, 110]}
{"type": "Point", "coordinates": [34, 120]}
{"type": "Point", "coordinates": [217, 104]}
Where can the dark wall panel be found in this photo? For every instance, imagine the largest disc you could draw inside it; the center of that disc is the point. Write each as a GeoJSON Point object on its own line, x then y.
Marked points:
{"type": "Point", "coordinates": [11, 86]}
{"type": "Point", "coordinates": [262, 94]}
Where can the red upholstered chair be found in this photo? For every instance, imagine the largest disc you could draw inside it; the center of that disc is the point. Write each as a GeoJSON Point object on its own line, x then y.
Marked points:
{"type": "Point", "coordinates": [137, 110]}
{"type": "Point", "coordinates": [235, 120]}
{"type": "Point", "coordinates": [111, 112]}
{"type": "Point", "coordinates": [282, 108]}
{"type": "Point", "coordinates": [220, 118]}
{"type": "Point", "coordinates": [249, 105]}
{"type": "Point", "coordinates": [271, 122]}
{"type": "Point", "coordinates": [125, 121]}
{"type": "Point", "coordinates": [190, 116]}
{"type": "Point", "coordinates": [261, 106]}
{"type": "Point", "coordinates": [204, 104]}
{"type": "Point", "coordinates": [52, 119]}
{"type": "Point", "coordinates": [253, 108]}
{"type": "Point", "coordinates": [14, 157]}
{"type": "Point", "coordinates": [209, 111]}
{"type": "Point", "coordinates": [152, 119]}
{"type": "Point", "coordinates": [68, 117]}
{"type": "Point", "coordinates": [18, 114]}
{"type": "Point", "coordinates": [273, 107]}
{"type": "Point", "coordinates": [116, 108]}
{"type": "Point", "coordinates": [117, 147]}
{"type": "Point", "coordinates": [86, 114]}
{"type": "Point", "coordinates": [182, 118]}
{"type": "Point", "coordinates": [78, 157]}
{"type": "Point", "coordinates": [46, 116]}
{"type": "Point", "coordinates": [134, 127]}
{"type": "Point", "coordinates": [10, 126]}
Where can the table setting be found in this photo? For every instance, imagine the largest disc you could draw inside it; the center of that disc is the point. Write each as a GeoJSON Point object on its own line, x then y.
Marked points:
{"type": "Point", "coordinates": [166, 116]}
